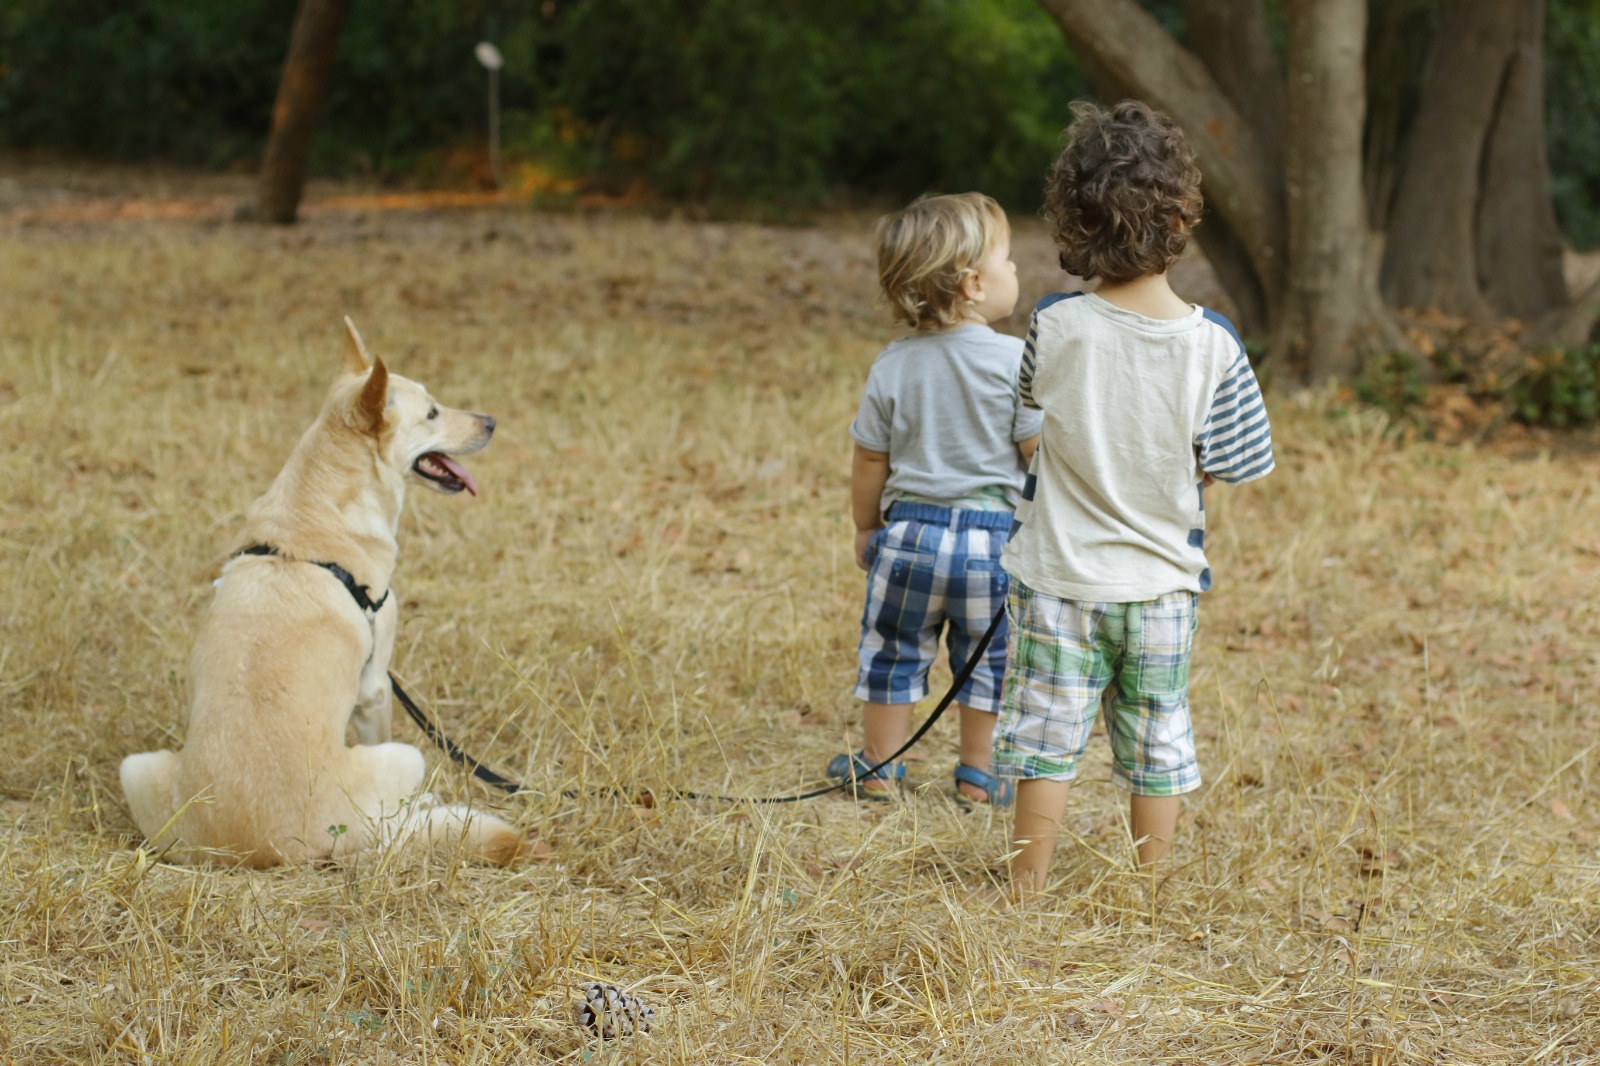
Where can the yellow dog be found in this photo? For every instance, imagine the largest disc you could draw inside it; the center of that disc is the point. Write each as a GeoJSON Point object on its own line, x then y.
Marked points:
{"type": "Point", "coordinates": [295, 650]}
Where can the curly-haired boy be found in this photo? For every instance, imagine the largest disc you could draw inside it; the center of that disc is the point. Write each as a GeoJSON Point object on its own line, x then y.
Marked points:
{"type": "Point", "coordinates": [1147, 399]}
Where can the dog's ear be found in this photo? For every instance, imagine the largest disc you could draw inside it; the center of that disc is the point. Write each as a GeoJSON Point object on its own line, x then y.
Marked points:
{"type": "Point", "coordinates": [373, 399]}
{"type": "Point", "coordinates": [356, 357]}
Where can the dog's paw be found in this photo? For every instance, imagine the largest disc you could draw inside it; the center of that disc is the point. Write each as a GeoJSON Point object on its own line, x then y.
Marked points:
{"type": "Point", "coordinates": [511, 847]}
{"type": "Point", "coordinates": [534, 849]}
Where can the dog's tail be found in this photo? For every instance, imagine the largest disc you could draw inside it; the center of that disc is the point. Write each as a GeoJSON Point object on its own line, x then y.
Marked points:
{"type": "Point", "coordinates": [442, 827]}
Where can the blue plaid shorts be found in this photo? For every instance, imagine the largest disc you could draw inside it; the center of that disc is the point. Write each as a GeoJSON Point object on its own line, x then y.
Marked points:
{"type": "Point", "coordinates": [1066, 657]}
{"type": "Point", "coordinates": [928, 567]}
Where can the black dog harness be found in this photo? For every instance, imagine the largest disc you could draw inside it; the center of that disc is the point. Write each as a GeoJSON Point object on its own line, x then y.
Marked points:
{"type": "Point", "coordinates": [360, 593]}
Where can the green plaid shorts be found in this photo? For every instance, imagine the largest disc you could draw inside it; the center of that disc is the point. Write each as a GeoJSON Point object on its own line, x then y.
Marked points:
{"type": "Point", "coordinates": [1064, 658]}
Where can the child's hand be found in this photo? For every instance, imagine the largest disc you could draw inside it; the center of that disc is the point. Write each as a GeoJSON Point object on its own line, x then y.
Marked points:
{"type": "Point", "coordinates": [863, 538]}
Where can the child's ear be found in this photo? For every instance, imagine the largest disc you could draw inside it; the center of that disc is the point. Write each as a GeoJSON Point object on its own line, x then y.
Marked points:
{"type": "Point", "coordinates": [373, 399]}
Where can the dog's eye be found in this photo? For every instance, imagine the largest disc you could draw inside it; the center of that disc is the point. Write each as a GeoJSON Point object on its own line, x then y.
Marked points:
{"type": "Point", "coordinates": [433, 412]}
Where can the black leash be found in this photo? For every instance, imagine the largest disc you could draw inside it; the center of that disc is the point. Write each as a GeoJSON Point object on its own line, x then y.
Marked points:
{"type": "Point", "coordinates": [436, 734]}
{"type": "Point", "coordinates": [363, 597]}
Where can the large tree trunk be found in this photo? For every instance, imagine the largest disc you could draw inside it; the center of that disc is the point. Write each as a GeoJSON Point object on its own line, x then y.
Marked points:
{"type": "Point", "coordinates": [1324, 299]}
{"type": "Point", "coordinates": [1230, 261]}
{"type": "Point", "coordinates": [1520, 266]}
{"type": "Point", "coordinates": [1430, 258]}
{"type": "Point", "coordinates": [1398, 31]}
{"type": "Point", "coordinates": [1242, 177]}
{"type": "Point", "coordinates": [1471, 186]}
{"type": "Point", "coordinates": [312, 46]}
{"type": "Point", "coordinates": [1234, 40]}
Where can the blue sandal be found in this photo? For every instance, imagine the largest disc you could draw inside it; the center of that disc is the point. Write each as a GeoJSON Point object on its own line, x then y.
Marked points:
{"type": "Point", "coordinates": [855, 769]}
{"type": "Point", "coordinates": [998, 789]}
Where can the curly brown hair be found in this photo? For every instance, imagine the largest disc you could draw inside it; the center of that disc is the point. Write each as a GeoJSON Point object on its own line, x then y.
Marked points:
{"type": "Point", "coordinates": [1124, 193]}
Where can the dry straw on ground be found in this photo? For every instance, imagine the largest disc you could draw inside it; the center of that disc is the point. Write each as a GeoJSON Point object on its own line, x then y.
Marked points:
{"type": "Point", "coordinates": [1394, 859]}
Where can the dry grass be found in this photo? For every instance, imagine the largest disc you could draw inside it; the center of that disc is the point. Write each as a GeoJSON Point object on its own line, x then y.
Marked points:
{"type": "Point", "coordinates": [1394, 859]}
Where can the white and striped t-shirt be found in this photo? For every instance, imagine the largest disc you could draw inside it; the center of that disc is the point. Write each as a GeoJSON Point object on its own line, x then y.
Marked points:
{"type": "Point", "coordinates": [1136, 411]}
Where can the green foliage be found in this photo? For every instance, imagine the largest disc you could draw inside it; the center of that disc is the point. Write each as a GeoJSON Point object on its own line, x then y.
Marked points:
{"type": "Point", "coordinates": [793, 100]}
{"type": "Point", "coordinates": [159, 77]}
{"type": "Point", "coordinates": [195, 83]}
{"type": "Point", "coordinates": [1572, 56]}
{"type": "Point", "coordinates": [703, 97]}
{"type": "Point", "coordinates": [789, 101]}
{"type": "Point", "coordinates": [1559, 388]}
{"type": "Point", "coordinates": [1393, 382]}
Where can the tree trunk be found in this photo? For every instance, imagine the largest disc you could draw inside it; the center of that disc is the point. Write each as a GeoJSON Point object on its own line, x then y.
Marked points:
{"type": "Point", "coordinates": [1242, 177]}
{"type": "Point", "coordinates": [312, 46]}
{"type": "Point", "coordinates": [1234, 41]}
{"type": "Point", "coordinates": [1231, 263]}
{"type": "Point", "coordinates": [1430, 259]}
{"type": "Point", "coordinates": [1519, 260]}
{"type": "Point", "coordinates": [1324, 299]}
{"type": "Point", "coordinates": [1398, 31]}
{"type": "Point", "coordinates": [1450, 172]}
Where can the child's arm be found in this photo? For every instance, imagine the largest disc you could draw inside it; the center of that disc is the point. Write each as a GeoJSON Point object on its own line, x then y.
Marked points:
{"type": "Point", "coordinates": [1235, 444]}
{"type": "Point", "coordinates": [1026, 448]}
{"type": "Point", "coordinates": [1029, 357]}
{"type": "Point", "coordinates": [869, 472]}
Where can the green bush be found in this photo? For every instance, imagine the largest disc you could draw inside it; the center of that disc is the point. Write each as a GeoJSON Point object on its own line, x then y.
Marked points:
{"type": "Point", "coordinates": [195, 82]}
{"type": "Point", "coordinates": [1393, 382]}
{"type": "Point", "coordinates": [1572, 57]}
{"type": "Point", "coordinates": [157, 78]}
{"type": "Point", "coordinates": [795, 100]}
{"type": "Point", "coordinates": [782, 100]}
{"type": "Point", "coordinates": [1559, 388]}
{"type": "Point", "coordinates": [788, 100]}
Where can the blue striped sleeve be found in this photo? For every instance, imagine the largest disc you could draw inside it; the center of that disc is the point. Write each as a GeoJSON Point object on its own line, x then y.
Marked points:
{"type": "Point", "coordinates": [1025, 372]}
{"type": "Point", "coordinates": [1235, 444]}
{"type": "Point", "coordinates": [1029, 347]}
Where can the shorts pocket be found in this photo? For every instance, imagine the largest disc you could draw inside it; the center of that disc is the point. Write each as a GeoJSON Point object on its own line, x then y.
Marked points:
{"type": "Point", "coordinates": [898, 557]}
{"type": "Point", "coordinates": [909, 541]}
{"type": "Point", "coordinates": [1165, 646]}
{"type": "Point", "coordinates": [897, 562]}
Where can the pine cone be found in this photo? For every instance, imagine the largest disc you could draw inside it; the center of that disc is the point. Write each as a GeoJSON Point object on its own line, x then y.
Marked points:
{"type": "Point", "coordinates": [610, 1012]}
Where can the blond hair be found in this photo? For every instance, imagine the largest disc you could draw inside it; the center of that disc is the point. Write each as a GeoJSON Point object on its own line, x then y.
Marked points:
{"type": "Point", "coordinates": [927, 249]}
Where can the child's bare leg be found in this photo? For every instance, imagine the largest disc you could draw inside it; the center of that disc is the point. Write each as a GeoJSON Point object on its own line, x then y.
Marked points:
{"type": "Point", "coordinates": [977, 746]}
{"type": "Point", "coordinates": [884, 727]}
{"type": "Point", "coordinates": [1041, 804]}
{"type": "Point", "coordinates": [1154, 821]}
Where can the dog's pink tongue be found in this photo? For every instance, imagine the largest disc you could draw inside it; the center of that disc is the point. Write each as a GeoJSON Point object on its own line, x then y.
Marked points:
{"type": "Point", "coordinates": [458, 470]}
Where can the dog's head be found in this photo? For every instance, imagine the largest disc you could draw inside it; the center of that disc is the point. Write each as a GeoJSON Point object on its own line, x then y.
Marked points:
{"type": "Point", "coordinates": [414, 434]}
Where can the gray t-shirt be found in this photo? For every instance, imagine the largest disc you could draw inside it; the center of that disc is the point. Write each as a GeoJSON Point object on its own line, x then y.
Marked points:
{"type": "Point", "coordinates": [944, 406]}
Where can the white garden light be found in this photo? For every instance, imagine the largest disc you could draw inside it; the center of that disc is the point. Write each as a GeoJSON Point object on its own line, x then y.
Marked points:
{"type": "Point", "coordinates": [489, 56]}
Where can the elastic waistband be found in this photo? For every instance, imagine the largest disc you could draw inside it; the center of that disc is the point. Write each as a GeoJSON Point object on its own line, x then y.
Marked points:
{"type": "Point", "coordinates": [957, 518]}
